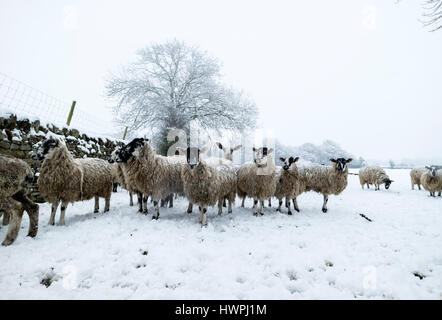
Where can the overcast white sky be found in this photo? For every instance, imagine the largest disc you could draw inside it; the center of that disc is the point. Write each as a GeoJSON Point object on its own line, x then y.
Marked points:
{"type": "Point", "coordinates": [365, 74]}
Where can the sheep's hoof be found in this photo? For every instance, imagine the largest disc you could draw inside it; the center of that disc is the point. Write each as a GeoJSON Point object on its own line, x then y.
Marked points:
{"type": "Point", "coordinates": [51, 223]}
{"type": "Point", "coordinates": [261, 213]}
{"type": "Point", "coordinates": [297, 210]}
{"type": "Point", "coordinates": [95, 211]}
{"type": "Point", "coordinates": [324, 210]}
{"type": "Point", "coordinates": [255, 214]}
{"type": "Point", "coordinates": [7, 242]}
{"type": "Point", "coordinates": [189, 211]}
{"type": "Point", "coordinates": [290, 213]}
{"type": "Point", "coordinates": [32, 234]}
{"type": "Point", "coordinates": [229, 211]}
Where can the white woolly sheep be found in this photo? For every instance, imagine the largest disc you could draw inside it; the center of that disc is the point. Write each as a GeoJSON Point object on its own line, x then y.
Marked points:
{"type": "Point", "coordinates": [150, 173]}
{"type": "Point", "coordinates": [374, 175]}
{"type": "Point", "coordinates": [289, 184]}
{"type": "Point", "coordinates": [15, 177]}
{"type": "Point", "coordinates": [67, 180]}
{"type": "Point", "coordinates": [257, 180]}
{"type": "Point", "coordinates": [415, 176]}
{"type": "Point", "coordinates": [205, 185]}
{"type": "Point", "coordinates": [326, 180]}
{"type": "Point", "coordinates": [431, 180]}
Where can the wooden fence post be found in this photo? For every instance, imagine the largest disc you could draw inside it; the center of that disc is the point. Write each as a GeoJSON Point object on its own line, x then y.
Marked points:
{"type": "Point", "coordinates": [125, 132]}
{"type": "Point", "coordinates": [71, 113]}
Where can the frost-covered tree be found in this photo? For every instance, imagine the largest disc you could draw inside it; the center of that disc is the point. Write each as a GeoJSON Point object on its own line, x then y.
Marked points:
{"type": "Point", "coordinates": [171, 84]}
{"type": "Point", "coordinates": [433, 14]}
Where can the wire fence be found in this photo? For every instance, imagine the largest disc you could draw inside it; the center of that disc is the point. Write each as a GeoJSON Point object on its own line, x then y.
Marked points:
{"type": "Point", "coordinates": [25, 101]}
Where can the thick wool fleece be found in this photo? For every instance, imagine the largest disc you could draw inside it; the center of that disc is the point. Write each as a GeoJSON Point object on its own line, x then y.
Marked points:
{"type": "Point", "coordinates": [326, 180]}
{"type": "Point", "coordinates": [372, 175]}
{"type": "Point", "coordinates": [67, 179]}
{"type": "Point", "coordinates": [255, 185]}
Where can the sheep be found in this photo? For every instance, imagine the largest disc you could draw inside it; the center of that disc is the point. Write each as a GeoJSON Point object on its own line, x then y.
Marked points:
{"type": "Point", "coordinates": [204, 185]}
{"type": "Point", "coordinates": [63, 178]}
{"type": "Point", "coordinates": [326, 180]}
{"type": "Point", "coordinates": [431, 180]}
{"type": "Point", "coordinates": [415, 175]}
{"type": "Point", "coordinates": [257, 179]}
{"type": "Point", "coordinates": [289, 184]}
{"type": "Point", "coordinates": [374, 175]}
{"type": "Point", "coordinates": [228, 152]}
{"type": "Point", "coordinates": [150, 173]}
{"type": "Point", "coordinates": [15, 178]}
{"type": "Point", "coordinates": [118, 176]}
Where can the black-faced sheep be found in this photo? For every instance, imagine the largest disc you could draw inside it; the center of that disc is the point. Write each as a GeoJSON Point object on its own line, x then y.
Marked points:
{"type": "Point", "coordinates": [326, 180]}
{"type": "Point", "coordinates": [415, 176]}
{"type": "Point", "coordinates": [257, 180]}
{"type": "Point", "coordinates": [152, 174]}
{"type": "Point", "coordinates": [374, 175]}
{"type": "Point", "coordinates": [67, 180]}
{"type": "Point", "coordinates": [205, 185]}
{"type": "Point", "coordinates": [431, 180]}
{"type": "Point", "coordinates": [289, 184]}
{"type": "Point", "coordinates": [15, 178]}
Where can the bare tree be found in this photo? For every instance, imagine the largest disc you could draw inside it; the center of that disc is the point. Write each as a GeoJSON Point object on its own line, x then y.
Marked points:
{"type": "Point", "coordinates": [433, 14]}
{"type": "Point", "coordinates": [171, 84]}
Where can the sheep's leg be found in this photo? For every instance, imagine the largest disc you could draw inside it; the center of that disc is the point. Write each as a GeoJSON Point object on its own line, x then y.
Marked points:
{"type": "Point", "coordinates": [32, 210]}
{"type": "Point", "coordinates": [190, 207]}
{"type": "Point", "coordinates": [140, 201]}
{"type": "Point", "coordinates": [412, 186]}
{"type": "Point", "coordinates": [439, 194]}
{"type": "Point", "coordinates": [230, 205]}
{"type": "Point", "coordinates": [107, 203]}
{"type": "Point", "coordinates": [270, 202]}
{"type": "Point", "coordinates": [279, 205]}
{"type": "Point", "coordinates": [419, 186]}
{"type": "Point", "coordinates": [324, 206]}
{"type": "Point", "coordinates": [156, 214]}
{"type": "Point", "coordinates": [6, 216]}
{"type": "Point", "coordinates": [53, 212]}
{"type": "Point", "coordinates": [255, 207]}
{"type": "Point", "coordinates": [145, 204]}
{"type": "Point", "coordinates": [368, 186]}
{"type": "Point", "coordinates": [131, 200]}
{"type": "Point", "coordinates": [204, 216]}
{"type": "Point", "coordinates": [97, 204]}
{"type": "Point", "coordinates": [242, 203]}
{"type": "Point", "coordinates": [362, 185]}
{"type": "Point", "coordinates": [224, 203]}
{"type": "Point", "coordinates": [64, 205]}
{"type": "Point", "coordinates": [162, 203]}
{"type": "Point", "coordinates": [171, 200]}
{"type": "Point", "coordinates": [287, 202]}
{"type": "Point", "coordinates": [220, 205]}
{"type": "Point", "coordinates": [295, 204]}
{"type": "Point", "coordinates": [114, 187]}
{"type": "Point", "coordinates": [201, 214]}
{"type": "Point", "coordinates": [261, 207]}
{"type": "Point", "coordinates": [14, 226]}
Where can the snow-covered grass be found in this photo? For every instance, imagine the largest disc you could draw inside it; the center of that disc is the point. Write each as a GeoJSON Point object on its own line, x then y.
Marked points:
{"type": "Point", "coordinates": [310, 255]}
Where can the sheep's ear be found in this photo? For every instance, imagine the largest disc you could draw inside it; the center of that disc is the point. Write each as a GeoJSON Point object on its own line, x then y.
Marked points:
{"type": "Point", "coordinates": [349, 160]}
{"type": "Point", "coordinates": [296, 159]}
{"type": "Point", "coordinates": [254, 149]}
{"type": "Point", "coordinates": [428, 167]}
{"type": "Point", "coordinates": [204, 150]}
{"type": "Point", "coordinates": [219, 145]}
{"type": "Point", "coordinates": [333, 160]}
{"type": "Point", "coordinates": [269, 151]}
{"type": "Point", "coordinates": [181, 151]}
{"type": "Point", "coordinates": [282, 159]}
{"type": "Point", "coordinates": [237, 147]}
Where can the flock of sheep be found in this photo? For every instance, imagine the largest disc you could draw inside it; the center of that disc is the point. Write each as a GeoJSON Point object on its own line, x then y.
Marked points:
{"type": "Point", "coordinates": [204, 181]}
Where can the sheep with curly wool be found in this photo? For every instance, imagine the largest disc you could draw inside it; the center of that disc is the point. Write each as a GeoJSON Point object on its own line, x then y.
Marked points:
{"type": "Point", "coordinates": [15, 179]}
{"type": "Point", "coordinates": [150, 173]}
{"type": "Point", "coordinates": [431, 180]}
{"type": "Point", "coordinates": [205, 185]}
{"type": "Point", "coordinates": [326, 180]}
{"type": "Point", "coordinates": [257, 180]}
{"type": "Point", "coordinates": [374, 175]}
{"type": "Point", "coordinates": [289, 184]}
{"type": "Point", "coordinates": [67, 180]}
{"type": "Point", "coordinates": [415, 176]}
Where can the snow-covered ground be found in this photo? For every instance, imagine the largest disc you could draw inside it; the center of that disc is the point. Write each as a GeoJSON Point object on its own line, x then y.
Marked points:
{"type": "Point", "coordinates": [310, 255]}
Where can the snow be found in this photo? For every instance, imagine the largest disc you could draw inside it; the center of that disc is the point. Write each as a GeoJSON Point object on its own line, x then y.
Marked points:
{"type": "Point", "coordinates": [310, 255]}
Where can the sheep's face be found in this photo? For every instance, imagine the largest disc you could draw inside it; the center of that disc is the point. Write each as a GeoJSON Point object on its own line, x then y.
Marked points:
{"type": "Point", "coordinates": [287, 162]}
{"type": "Point", "coordinates": [433, 170]}
{"type": "Point", "coordinates": [113, 155]}
{"type": "Point", "coordinates": [387, 183]}
{"type": "Point", "coordinates": [341, 163]}
{"type": "Point", "coordinates": [193, 157]}
{"type": "Point", "coordinates": [43, 148]}
{"type": "Point", "coordinates": [260, 155]}
{"type": "Point", "coordinates": [126, 152]}
{"type": "Point", "coordinates": [228, 152]}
